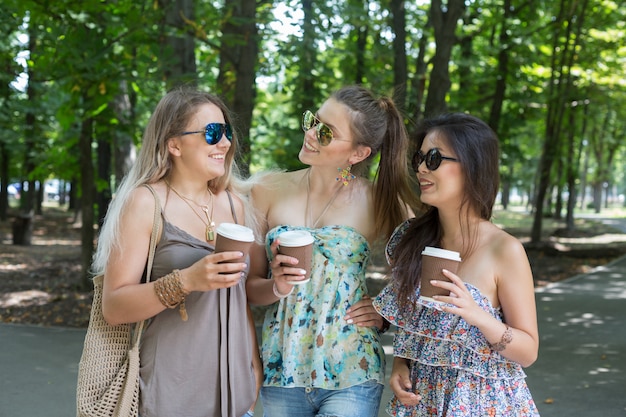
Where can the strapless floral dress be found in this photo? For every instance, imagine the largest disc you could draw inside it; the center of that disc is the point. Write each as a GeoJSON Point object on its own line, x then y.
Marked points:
{"type": "Point", "coordinates": [306, 340]}
{"type": "Point", "coordinates": [452, 365]}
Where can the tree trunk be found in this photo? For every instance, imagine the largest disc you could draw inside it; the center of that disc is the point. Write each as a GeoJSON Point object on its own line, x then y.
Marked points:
{"type": "Point", "coordinates": [63, 193]}
{"type": "Point", "coordinates": [566, 38]}
{"type": "Point", "coordinates": [87, 198]}
{"type": "Point", "coordinates": [5, 96]}
{"type": "Point", "coordinates": [39, 195]}
{"type": "Point", "coordinates": [362, 31]}
{"type": "Point", "coordinates": [444, 24]}
{"type": "Point", "coordinates": [400, 76]}
{"type": "Point", "coordinates": [28, 197]}
{"type": "Point", "coordinates": [419, 80]}
{"type": "Point", "coordinates": [572, 167]}
{"type": "Point", "coordinates": [506, 194]}
{"type": "Point", "coordinates": [239, 55]}
{"type": "Point", "coordinates": [584, 175]}
{"type": "Point", "coordinates": [178, 59]}
{"type": "Point", "coordinates": [124, 151]}
{"type": "Point", "coordinates": [502, 70]}
{"type": "Point", "coordinates": [103, 197]}
{"type": "Point", "coordinates": [306, 94]}
{"type": "Point", "coordinates": [597, 197]}
{"type": "Point", "coordinates": [4, 181]}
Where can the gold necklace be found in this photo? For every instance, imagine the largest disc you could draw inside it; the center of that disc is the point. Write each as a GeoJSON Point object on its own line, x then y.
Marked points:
{"type": "Point", "coordinates": [307, 220]}
{"type": "Point", "coordinates": [209, 223]}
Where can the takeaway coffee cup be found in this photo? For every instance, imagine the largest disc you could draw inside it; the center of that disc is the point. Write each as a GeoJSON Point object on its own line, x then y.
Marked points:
{"type": "Point", "coordinates": [433, 261]}
{"type": "Point", "coordinates": [299, 244]}
{"type": "Point", "coordinates": [234, 237]}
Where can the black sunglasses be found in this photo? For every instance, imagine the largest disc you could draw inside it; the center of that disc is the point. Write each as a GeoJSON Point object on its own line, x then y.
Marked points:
{"type": "Point", "coordinates": [433, 159]}
{"type": "Point", "coordinates": [323, 133]}
{"type": "Point", "coordinates": [213, 133]}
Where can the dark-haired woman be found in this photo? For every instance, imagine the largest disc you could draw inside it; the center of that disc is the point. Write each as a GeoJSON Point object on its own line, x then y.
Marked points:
{"type": "Point", "coordinates": [461, 354]}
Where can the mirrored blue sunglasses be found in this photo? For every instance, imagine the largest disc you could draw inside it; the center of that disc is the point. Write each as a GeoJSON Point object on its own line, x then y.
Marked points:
{"type": "Point", "coordinates": [213, 132]}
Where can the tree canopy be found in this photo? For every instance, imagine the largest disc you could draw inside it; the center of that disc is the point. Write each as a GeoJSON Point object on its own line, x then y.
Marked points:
{"type": "Point", "coordinates": [81, 78]}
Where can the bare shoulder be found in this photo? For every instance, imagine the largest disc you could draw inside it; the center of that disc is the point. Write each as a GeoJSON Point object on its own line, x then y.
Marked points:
{"type": "Point", "coordinates": [142, 199]}
{"type": "Point", "coordinates": [509, 244]}
{"type": "Point", "coordinates": [508, 253]}
{"type": "Point", "coordinates": [136, 215]}
{"type": "Point", "coordinates": [502, 244]}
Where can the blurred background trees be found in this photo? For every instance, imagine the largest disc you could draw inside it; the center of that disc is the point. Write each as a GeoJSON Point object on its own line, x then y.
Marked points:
{"type": "Point", "coordinates": [80, 79]}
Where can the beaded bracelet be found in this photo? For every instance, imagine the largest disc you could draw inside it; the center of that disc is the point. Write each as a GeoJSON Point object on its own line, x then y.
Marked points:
{"type": "Point", "coordinates": [169, 289]}
{"type": "Point", "coordinates": [507, 337]}
{"type": "Point", "coordinates": [278, 294]}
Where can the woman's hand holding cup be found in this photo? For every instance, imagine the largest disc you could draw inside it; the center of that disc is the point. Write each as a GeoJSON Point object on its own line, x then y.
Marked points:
{"type": "Point", "coordinates": [297, 245]}
{"type": "Point", "coordinates": [285, 269]}
{"type": "Point", "coordinates": [225, 267]}
{"type": "Point", "coordinates": [215, 271]}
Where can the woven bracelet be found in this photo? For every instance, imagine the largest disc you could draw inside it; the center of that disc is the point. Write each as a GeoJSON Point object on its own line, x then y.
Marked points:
{"type": "Point", "coordinates": [169, 290]}
{"type": "Point", "coordinates": [507, 337]}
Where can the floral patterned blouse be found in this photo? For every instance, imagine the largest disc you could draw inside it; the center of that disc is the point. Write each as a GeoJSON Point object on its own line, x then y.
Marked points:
{"type": "Point", "coordinates": [452, 365]}
{"type": "Point", "coordinates": [306, 341]}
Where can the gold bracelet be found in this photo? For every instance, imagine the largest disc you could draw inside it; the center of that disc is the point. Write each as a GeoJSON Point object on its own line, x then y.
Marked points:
{"type": "Point", "coordinates": [507, 337]}
{"type": "Point", "coordinates": [169, 290]}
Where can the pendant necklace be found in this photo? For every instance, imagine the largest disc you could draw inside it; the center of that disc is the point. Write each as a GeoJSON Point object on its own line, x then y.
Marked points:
{"type": "Point", "coordinates": [308, 208]}
{"type": "Point", "coordinates": [209, 223]}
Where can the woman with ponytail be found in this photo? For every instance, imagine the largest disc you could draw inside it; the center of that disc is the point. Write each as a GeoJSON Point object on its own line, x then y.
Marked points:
{"type": "Point", "coordinates": [322, 352]}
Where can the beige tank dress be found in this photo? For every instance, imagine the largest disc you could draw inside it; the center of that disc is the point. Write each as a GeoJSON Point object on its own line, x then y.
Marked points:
{"type": "Point", "coordinates": [201, 367]}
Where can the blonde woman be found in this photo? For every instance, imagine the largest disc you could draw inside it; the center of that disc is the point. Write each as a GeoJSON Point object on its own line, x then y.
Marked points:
{"type": "Point", "coordinates": [199, 351]}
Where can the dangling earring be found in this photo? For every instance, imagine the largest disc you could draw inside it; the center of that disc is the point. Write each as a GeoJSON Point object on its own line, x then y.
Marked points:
{"type": "Point", "coordinates": [345, 175]}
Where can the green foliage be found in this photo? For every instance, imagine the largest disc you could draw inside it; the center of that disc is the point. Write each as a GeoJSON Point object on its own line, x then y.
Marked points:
{"type": "Point", "coordinates": [86, 54]}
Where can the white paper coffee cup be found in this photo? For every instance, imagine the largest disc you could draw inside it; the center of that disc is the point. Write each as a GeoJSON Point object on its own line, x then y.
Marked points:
{"type": "Point", "coordinates": [298, 244]}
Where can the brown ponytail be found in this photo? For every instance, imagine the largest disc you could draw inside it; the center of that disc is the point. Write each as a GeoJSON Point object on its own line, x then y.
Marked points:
{"type": "Point", "coordinates": [392, 190]}
{"type": "Point", "coordinates": [378, 124]}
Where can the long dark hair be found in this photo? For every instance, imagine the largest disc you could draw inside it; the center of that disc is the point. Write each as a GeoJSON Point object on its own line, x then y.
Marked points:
{"type": "Point", "coordinates": [476, 147]}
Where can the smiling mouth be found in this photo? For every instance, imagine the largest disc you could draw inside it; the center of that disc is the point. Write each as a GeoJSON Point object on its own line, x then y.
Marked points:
{"type": "Point", "coordinates": [308, 147]}
{"type": "Point", "coordinates": [219, 157]}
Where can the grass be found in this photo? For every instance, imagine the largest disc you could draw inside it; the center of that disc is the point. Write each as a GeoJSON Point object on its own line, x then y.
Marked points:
{"type": "Point", "coordinates": [517, 221]}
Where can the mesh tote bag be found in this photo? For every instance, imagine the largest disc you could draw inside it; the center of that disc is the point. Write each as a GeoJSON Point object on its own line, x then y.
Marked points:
{"type": "Point", "coordinates": [108, 371]}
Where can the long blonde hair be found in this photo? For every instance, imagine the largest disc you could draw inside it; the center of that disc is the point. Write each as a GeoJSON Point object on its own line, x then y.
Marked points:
{"type": "Point", "coordinates": [153, 163]}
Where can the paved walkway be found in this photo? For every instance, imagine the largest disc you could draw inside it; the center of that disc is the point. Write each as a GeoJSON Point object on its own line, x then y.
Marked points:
{"type": "Point", "coordinates": [581, 370]}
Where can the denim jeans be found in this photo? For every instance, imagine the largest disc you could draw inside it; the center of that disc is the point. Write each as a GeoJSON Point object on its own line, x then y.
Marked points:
{"type": "Point", "coordinates": [357, 401]}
